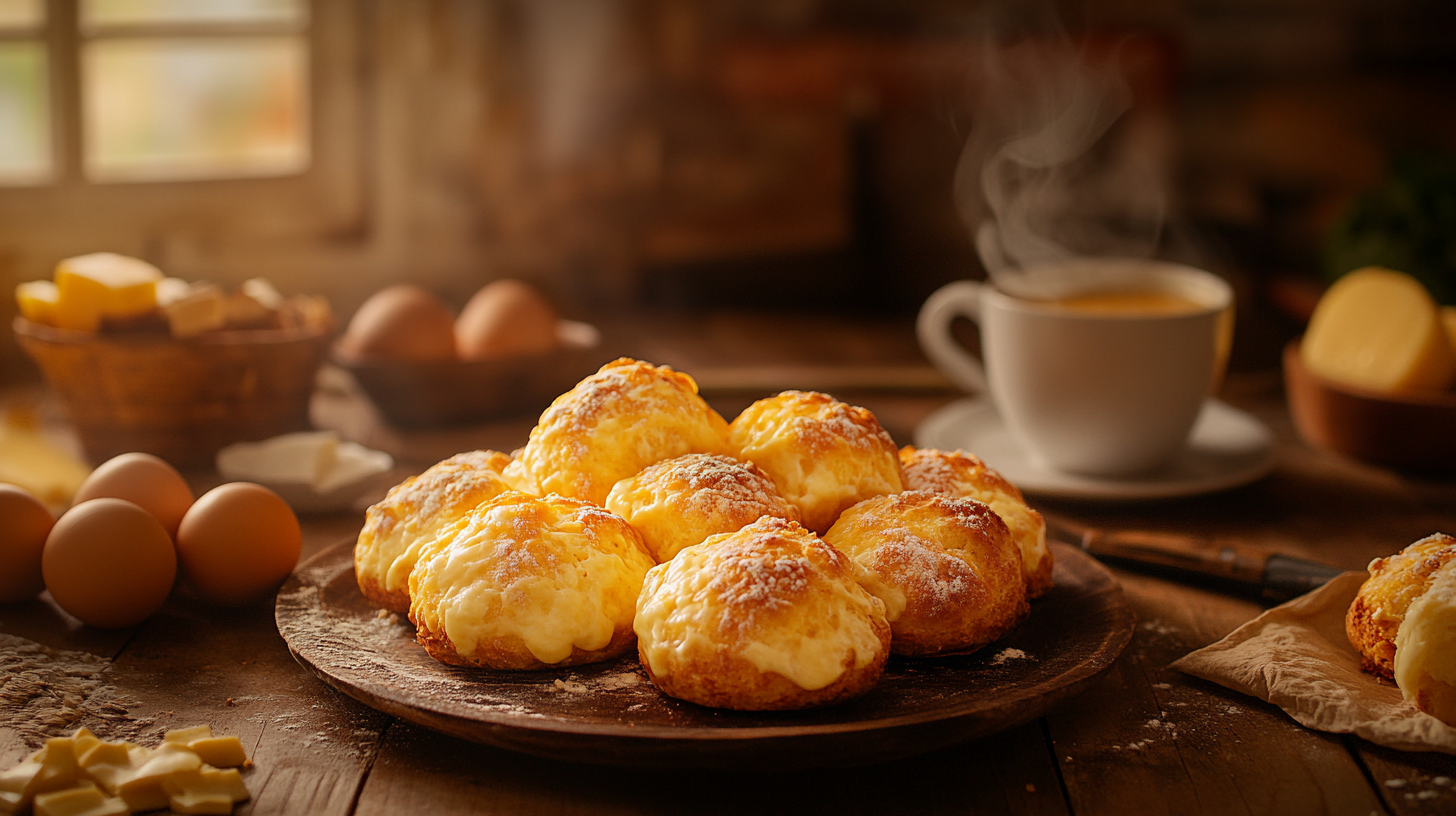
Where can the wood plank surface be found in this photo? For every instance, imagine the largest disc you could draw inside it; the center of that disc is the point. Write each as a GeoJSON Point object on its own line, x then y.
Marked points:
{"type": "Point", "coordinates": [1150, 740]}
{"type": "Point", "coordinates": [419, 771]}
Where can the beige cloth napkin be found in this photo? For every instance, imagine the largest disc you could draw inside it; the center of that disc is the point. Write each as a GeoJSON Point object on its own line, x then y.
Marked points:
{"type": "Point", "coordinates": [1297, 657]}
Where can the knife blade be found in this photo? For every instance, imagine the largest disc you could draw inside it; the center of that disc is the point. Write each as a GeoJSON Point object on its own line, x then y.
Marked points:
{"type": "Point", "coordinates": [1271, 575]}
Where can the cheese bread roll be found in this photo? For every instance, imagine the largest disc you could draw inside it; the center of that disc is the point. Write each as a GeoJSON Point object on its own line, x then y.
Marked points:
{"type": "Point", "coordinates": [1425, 648]}
{"type": "Point", "coordinates": [1379, 607]}
{"type": "Point", "coordinates": [824, 455]}
{"type": "Point", "coordinates": [616, 422]}
{"type": "Point", "coordinates": [956, 473]}
{"type": "Point", "coordinates": [766, 618]}
{"type": "Point", "coordinates": [522, 582]}
{"type": "Point", "coordinates": [946, 569]}
{"type": "Point", "coordinates": [411, 513]}
{"type": "Point", "coordinates": [679, 502]}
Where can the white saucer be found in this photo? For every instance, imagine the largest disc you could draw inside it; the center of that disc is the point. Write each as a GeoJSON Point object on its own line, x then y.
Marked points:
{"type": "Point", "coordinates": [1228, 448]}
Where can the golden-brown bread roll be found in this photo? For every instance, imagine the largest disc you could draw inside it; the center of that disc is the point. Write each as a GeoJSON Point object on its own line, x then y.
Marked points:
{"type": "Point", "coordinates": [945, 567]}
{"type": "Point", "coordinates": [766, 618]}
{"type": "Point", "coordinates": [522, 582]}
{"type": "Point", "coordinates": [679, 502]}
{"type": "Point", "coordinates": [1379, 607]}
{"type": "Point", "coordinates": [823, 454]}
{"type": "Point", "coordinates": [616, 422]}
{"type": "Point", "coordinates": [1425, 648]}
{"type": "Point", "coordinates": [957, 473]}
{"type": "Point", "coordinates": [411, 513]}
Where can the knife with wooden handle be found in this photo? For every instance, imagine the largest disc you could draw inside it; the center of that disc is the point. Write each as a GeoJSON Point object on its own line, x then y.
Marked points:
{"type": "Point", "coordinates": [1271, 575]}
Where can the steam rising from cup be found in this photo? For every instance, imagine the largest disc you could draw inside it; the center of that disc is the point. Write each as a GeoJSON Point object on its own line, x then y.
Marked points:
{"type": "Point", "coordinates": [1053, 172]}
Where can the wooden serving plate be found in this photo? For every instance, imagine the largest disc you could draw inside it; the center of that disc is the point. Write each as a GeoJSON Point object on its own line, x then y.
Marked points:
{"type": "Point", "coordinates": [611, 713]}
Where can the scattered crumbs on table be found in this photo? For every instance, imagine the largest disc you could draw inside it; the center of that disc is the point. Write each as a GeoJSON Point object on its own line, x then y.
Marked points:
{"type": "Point", "coordinates": [1158, 627]}
{"type": "Point", "coordinates": [1427, 794]}
{"type": "Point", "coordinates": [47, 692]}
{"type": "Point", "coordinates": [1441, 780]}
{"type": "Point", "coordinates": [1395, 783]}
{"type": "Point", "coordinates": [1163, 686]}
{"type": "Point", "coordinates": [1008, 654]}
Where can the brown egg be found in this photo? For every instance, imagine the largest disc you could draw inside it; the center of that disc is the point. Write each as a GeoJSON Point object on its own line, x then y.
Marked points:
{"type": "Point", "coordinates": [238, 542]}
{"type": "Point", "coordinates": [401, 322]}
{"type": "Point", "coordinates": [24, 525]}
{"type": "Point", "coordinates": [109, 563]}
{"type": "Point", "coordinates": [143, 480]}
{"type": "Point", "coordinates": [506, 317]}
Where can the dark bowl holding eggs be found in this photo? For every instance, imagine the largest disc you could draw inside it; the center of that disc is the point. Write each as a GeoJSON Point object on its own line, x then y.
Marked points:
{"type": "Point", "coordinates": [506, 354]}
{"type": "Point", "coordinates": [433, 393]}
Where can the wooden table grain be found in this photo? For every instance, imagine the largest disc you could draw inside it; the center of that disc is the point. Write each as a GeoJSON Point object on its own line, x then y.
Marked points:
{"type": "Point", "coordinates": [1144, 739]}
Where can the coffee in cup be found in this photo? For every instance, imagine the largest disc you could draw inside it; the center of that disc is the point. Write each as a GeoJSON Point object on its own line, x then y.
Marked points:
{"type": "Point", "coordinates": [1104, 372]}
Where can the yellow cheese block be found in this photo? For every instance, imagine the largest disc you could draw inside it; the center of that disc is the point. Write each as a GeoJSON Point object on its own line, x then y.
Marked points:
{"type": "Point", "coordinates": [37, 301]}
{"type": "Point", "coordinates": [1379, 329]}
{"type": "Point", "coordinates": [103, 284]}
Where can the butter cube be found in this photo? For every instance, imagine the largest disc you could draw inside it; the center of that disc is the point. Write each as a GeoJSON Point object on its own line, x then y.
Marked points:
{"type": "Point", "coordinates": [305, 457]}
{"type": "Point", "coordinates": [50, 769]}
{"type": "Point", "coordinates": [264, 292]}
{"type": "Point", "coordinates": [37, 301]}
{"type": "Point", "coordinates": [202, 309]}
{"type": "Point", "coordinates": [220, 752]}
{"type": "Point", "coordinates": [103, 284]}
{"type": "Point", "coordinates": [110, 763]}
{"type": "Point", "coordinates": [206, 790]}
{"type": "Point", "coordinates": [85, 799]}
{"type": "Point", "coordinates": [142, 788]}
{"type": "Point", "coordinates": [182, 736]}
{"type": "Point", "coordinates": [1380, 330]}
{"type": "Point", "coordinates": [172, 289]}
{"type": "Point", "coordinates": [243, 310]}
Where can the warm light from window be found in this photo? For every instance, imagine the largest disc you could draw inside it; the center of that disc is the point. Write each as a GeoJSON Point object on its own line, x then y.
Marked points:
{"type": "Point", "coordinates": [99, 13]}
{"type": "Point", "coordinates": [173, 108]}
{"type": "Point", "coordinates": [21, 15]}
{"type": "Point", "coordinates": [25, 132]}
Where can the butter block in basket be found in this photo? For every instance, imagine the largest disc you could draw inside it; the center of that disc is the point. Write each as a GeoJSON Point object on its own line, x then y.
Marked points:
{"type": "Point", "coordinates": [144, 362]}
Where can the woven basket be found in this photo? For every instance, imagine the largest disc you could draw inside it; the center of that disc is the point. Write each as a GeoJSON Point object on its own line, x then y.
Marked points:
{"type": "Point", "coordinates": [182, 400]}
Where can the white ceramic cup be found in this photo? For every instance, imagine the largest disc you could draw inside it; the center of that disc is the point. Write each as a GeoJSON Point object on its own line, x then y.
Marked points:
{"type": "Point", "coordinates": [1101, 394]}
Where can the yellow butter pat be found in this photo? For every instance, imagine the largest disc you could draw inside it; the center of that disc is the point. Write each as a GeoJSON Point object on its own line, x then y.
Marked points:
{"type": "Point", "coordinates": [84, 799]}
{"type": "Point", "coordinates": [202, 309]}
{"type": "Point", "coordinates": [206, 790]}
{"type": "Point", "coordinates": [142, 789]}
{"type": "Point", "coordinates": [38, 300]}
{"type": "Point", "coordinates": [220, 752]}
{"type": "Point", "coordinates": [103, 284]}
{"type": "Point", "coordinates": [1381, 330]}
{"type": "Point", "coordinates": [182, 736]}
{"type": "Point", "coordinates": [50, 769]}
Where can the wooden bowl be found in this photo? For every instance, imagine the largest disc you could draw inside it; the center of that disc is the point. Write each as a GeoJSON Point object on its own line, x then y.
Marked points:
{"type": "Point", "coordinates": [1411, 432]}
{"type": "Point", "coordinates": [413, 394]}
{"type": "Point", "coordinates": [182, 400]}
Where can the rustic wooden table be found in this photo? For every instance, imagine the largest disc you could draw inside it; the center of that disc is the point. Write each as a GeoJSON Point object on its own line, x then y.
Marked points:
{"type": "Point", "coordinates": [1143, 739]}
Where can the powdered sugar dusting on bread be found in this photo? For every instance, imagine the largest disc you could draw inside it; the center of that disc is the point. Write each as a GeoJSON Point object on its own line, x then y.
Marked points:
{"type": "Point", "coordinates": [934, 581]}
{"type": "Point", "coordinates": [720, 487]}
